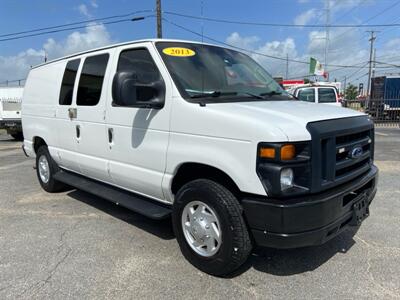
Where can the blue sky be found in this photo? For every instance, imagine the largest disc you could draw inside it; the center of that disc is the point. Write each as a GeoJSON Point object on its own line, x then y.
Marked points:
{"type": "Point", "coordinates": [347, 47]}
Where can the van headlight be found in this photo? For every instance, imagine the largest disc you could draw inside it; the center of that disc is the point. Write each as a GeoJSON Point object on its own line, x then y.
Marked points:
{"type": "Point", "coordinates": [284, 168]}
{"type": "Point", "coordinates": [286, 178]}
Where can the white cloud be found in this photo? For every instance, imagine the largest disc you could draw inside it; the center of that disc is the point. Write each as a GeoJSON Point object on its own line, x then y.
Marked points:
{"type": "Point", "coordinates": [273, 48]}
{"type": "Point", "coordinates": [17, 66]}
{"type": "Point", "coordinates": [347, 47]}
{"type": "Point", "coordinates": [93, 37]}
{"type": "Point", "coordinates": [83, 9]}
{"type": "Point", "coordinates": [393, 44]}
{"type": "Point", "coordinates": [241, 42]}
{"type": "Point", "coordinates": [305, 17]}
{"type": "Point", "coordinates": [94, 4]}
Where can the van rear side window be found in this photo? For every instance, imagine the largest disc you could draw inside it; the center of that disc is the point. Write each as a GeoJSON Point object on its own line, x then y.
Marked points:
{"type": "Point", "coordinates": [67, 85]}
{"type": "Point", "coordinates": [91, 80]}
{"type": "Point", "coordinates": [326, 95]}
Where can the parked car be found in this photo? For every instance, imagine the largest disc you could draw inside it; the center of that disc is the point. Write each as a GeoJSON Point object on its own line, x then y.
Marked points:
{"type": "Point", "coordinates": [318, 94]}
{"type": "Point", "coordinates": [10, 111]}
{"type": "Point", "coordinates": [203, 134]}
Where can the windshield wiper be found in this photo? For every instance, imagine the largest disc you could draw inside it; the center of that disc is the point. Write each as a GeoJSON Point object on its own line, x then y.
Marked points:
{"type": "Point", "coordinates": [252, 95]}
{"type": "Point", "coordinates": [271, 93]}
{"type": "Point", "coordinates": [213, 94]}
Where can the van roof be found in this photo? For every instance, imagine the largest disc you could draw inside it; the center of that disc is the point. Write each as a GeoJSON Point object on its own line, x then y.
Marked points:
{"type": "Point", "coordinates": [120, 44]}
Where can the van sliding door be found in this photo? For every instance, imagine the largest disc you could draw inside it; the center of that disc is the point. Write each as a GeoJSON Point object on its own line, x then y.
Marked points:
{"type": "Point", "coordinates": [90, 132]}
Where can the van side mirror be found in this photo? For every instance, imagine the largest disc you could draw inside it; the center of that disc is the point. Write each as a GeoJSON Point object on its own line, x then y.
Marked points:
{"type": "Point", "coordinates": [127, 90]}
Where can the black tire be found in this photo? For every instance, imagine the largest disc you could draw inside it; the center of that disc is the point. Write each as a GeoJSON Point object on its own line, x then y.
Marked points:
{"type": "Point", "coordinates": [236, 244]}
{"type": "Point", "coordinates": [18, 136]}
{"type": "Point", "coordinates": [52, 185]}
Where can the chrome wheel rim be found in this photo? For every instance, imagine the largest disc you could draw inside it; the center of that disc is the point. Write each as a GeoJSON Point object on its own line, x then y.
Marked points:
{"type": "Point", "coordinates": [44, 169]}
{"type": "Point", "coordinates": [201, 228]}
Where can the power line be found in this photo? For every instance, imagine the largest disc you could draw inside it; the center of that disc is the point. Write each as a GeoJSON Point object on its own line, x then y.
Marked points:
{"type": "Point", "coordinates": [252, 51]}
{"type": "Point", "coordinates": [387, 64]}
{"type": "Point", "coordinates": [350, 10]}
{"type": "Point", "coordinates": [68, 29]}
{"type": "Point", "coordinates": [279, 24]}
{"type": "Point", "coordinates": [76, 23]}
{"type": "Point", "coordinates": [357, 71]}
{"type": "Point", "coordinates": [363, 24]}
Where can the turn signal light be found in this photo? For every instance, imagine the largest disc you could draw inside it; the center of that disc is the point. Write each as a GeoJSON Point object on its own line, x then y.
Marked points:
{"type": "Point", "coordinates": [267, 152]}
{"type": "Point", "coordinates": [288, 152]}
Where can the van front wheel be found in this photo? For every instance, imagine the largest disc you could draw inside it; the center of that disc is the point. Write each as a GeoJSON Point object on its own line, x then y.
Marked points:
{"type": "Point", "coordinates": [208, 224]}
{"type": "Point", "coordinates": [46, 167]}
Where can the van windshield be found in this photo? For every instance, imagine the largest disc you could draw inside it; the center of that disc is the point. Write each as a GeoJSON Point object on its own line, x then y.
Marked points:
{"type": "Point", "coordinates": [216, 74]}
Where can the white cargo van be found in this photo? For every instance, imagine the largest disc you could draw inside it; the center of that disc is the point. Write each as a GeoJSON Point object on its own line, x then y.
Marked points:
{"type": "Point", "coordinates": [10, 111]}
{"type": "Point", "coordinates": [204, 134]}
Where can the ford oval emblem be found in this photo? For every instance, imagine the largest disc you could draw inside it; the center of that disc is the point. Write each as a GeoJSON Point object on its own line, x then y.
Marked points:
{"type": "Point", "coordinates": [356, 152]}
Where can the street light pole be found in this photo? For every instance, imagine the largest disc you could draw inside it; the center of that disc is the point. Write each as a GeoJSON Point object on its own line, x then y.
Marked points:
{"type": "Point", "coordinates": [328, 20]}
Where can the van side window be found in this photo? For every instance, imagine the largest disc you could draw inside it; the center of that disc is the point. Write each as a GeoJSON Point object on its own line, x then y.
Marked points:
{"type": "Point", "coordinates": [91, 80]}
{"type": "Point", "coordinates": [67, 85]}
{"type": "Point", "coordinates": [146, 71]}
{"type": "Point", "coordinates": [326, 95]}
{"type": "Point", "coordinates": [306, 95]}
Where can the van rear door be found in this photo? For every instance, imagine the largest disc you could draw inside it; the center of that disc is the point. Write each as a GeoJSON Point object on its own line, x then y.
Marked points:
{"type": "Point", "coordinates": [328, 95]}
{"type": "Point", "coordinates": [65, 125]}
{"type": "Point", "coordinates": [307, 94]}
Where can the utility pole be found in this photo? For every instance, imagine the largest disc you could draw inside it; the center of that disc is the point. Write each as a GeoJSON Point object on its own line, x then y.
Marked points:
{"type": "Point", "coordinates": [371, 40]}
{"type": "Point", "coordinates": [373, 65]}
{"type": "Point", "coordinates": [159, 25]}
{"type": "Point", "coordinates": [327, 24]}
{"type": "Point", "coordinates": [287, 66]}
{"type": "Point", "coordinates": [344, 85]}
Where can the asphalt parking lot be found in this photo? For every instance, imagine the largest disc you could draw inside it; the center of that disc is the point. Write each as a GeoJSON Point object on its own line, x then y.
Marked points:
{"type": "Point", "coordinates": [74, 245]}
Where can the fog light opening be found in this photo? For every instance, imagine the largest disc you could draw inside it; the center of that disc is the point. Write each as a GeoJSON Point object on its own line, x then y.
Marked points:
{"type": "Point", "coordinates": [286, 178]}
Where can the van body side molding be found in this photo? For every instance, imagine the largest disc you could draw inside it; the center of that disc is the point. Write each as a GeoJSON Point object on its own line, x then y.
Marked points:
{"type": "Point", "coordinates": [131, 201]}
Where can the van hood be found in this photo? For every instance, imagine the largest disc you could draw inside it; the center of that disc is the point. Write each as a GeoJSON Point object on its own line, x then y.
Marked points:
{"type": "Point", "coordinates": [291, 117]}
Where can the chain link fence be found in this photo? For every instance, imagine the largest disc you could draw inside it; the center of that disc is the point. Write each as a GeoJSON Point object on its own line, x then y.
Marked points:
{"type": "Point", "coordinates": [384, 112]}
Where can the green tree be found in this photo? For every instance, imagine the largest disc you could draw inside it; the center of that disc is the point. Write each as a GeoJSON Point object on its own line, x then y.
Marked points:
{"type": "Point", "coordinates": [351, 92]}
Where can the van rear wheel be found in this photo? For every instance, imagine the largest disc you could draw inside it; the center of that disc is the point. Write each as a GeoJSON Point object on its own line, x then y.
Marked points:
{"type": "Point", "coordinates": [208, 224]}
{"type": "Point", "coordinates": [46, 167]}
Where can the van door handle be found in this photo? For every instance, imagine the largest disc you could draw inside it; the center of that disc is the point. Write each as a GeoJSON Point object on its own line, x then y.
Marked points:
{"type": "Point", "coordinates": [110, 135]}
{"type": "Point", "coordinates": [78, 131]}
{"type": "Point", "coordinates": [72, 113]}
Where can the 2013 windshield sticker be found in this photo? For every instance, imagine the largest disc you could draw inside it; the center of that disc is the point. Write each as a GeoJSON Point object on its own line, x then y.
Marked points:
{"type": "Point", "coordinates": [178, 51]}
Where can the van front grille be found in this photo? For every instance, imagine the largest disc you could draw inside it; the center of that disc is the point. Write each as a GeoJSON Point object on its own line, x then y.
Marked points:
{"type": "Point", "coordinates": [11, 106]}
{"type": "Point", "coordinates": [345, 145]}
{"type": "Point", "coordinates": [342, 149]}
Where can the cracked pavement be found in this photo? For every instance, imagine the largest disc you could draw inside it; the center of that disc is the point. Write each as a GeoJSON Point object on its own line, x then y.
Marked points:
{"type": "Point", "coordinates": [74, 245]}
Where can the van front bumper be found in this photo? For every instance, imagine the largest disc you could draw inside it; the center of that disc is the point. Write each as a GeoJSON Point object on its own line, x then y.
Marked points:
{"type": "Point", "coordinates": [310, 220]}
